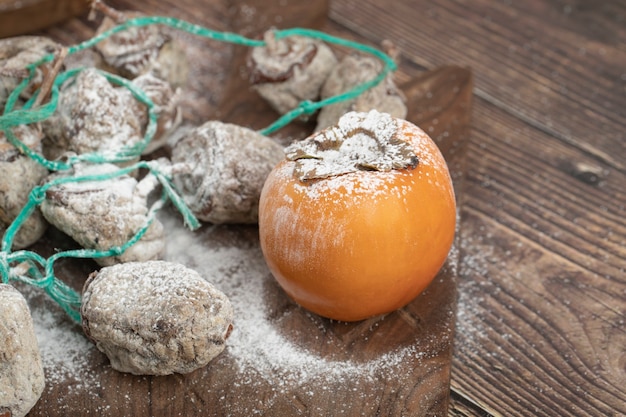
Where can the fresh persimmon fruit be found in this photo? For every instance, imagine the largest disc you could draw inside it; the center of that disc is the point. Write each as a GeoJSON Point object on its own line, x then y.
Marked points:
{"type": "Point", "coordinates": [359, 218]}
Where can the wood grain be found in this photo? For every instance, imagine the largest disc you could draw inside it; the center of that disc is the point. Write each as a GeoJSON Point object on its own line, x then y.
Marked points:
{"type": "Point", "coordinates": [407, 354]}
{"type": "Point", "coordinates": [542, 307]}
{"type": "Point", "coordinates": [516, 68]}
{"type": "Point", "coordinates": [540, 327]}
{"type": "Point", "coordinates": [542, 281]}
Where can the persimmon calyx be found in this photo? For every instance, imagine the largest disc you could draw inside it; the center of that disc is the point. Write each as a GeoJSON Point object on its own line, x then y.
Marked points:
{"type": "Point", "coordinates": [358, 142]}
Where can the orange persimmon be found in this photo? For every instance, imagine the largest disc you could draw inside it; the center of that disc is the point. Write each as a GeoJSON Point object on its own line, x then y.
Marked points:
{"type": "Point", "coordinates": [359, 218]}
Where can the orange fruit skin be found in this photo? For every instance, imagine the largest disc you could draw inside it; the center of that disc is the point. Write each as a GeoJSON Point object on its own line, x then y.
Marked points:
{"type": "Point", "coordinates": [360, 244]}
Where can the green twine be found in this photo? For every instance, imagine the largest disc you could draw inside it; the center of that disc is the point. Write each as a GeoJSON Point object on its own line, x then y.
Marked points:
{"type": "Point", "coordinates": [33, 269]}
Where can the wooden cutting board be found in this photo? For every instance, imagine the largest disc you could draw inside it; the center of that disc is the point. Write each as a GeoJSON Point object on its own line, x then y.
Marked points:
{"type": "Point", "coordinates": [280, 360]}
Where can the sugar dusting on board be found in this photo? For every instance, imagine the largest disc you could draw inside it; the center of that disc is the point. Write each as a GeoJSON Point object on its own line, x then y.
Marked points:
{"type": "Point", "coordinates": [65, 352]}
{"type": "Point", "coordinates": [255, 343]}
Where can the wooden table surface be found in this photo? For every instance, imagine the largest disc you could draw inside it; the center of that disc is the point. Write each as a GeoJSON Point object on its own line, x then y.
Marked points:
{"type": "Point", "coordinates": [541, 326]}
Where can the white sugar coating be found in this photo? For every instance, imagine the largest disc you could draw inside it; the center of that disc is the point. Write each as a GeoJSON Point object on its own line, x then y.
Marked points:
{"type": "Point", "coordinates": [155, 318]}
{"type": "Point", "coordinates": [21, 372]}
{"type": "Point", "coordinates": [104, 214]}
{"type": "Point", "coordinates": [381, 125]}
{"type": "Point", "coordinates": [92, 116]}
{"type": "Point", "coordinates": [291, 70]}
{"type": "Point", "coordinates": [132, 50]}
{"type": "Point", "coordinates": [282, 53]}
{"type": "Point", "coordinates": [123, 185]}
{"type": "Point", "coordinates": [224, 168]}
{"type": "Point", "coordinates": [358, 186]}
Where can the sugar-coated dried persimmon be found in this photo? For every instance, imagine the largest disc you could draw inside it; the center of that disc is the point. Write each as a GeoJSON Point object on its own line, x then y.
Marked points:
{"type": "Point", "coordinates": [359, 218]}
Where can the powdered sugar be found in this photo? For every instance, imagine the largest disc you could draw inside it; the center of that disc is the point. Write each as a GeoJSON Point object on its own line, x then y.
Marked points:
{"type": "Point", "coordinates": [255, 343]}
{"type": "Point", "coordinates": [360, 158]}
{"type": "Point", "coordinates": [65, 351]}
{"type": "Point", "coordinates": [92, 116]}
{"type": "Point", "coordinates": [360, 141]}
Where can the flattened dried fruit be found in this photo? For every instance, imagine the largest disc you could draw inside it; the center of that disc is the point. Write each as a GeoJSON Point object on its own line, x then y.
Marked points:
{"type": "Point", "coordinates": [18, 175]}
{"type": "Point", "coordinates": [155, 318]}
{"type": "Point", "coordinates": [141, 50]}
{"type": "Point", "coordinates": [15, 54]}
{"type": "Point", "coordinates": [221, 170]}
{"type": "Point", "coordinates": [166, 101]}
{"type": "Point", "coordinates": [290, 70]}
{"type": "Point", "coordinates": [21, 370]}
{"type": "Point", "coordinates": [92, 116]}
{"type": "Point", "coordinates": [105, 214]}
{"type": "Point", "coordinates": [353, 70]}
